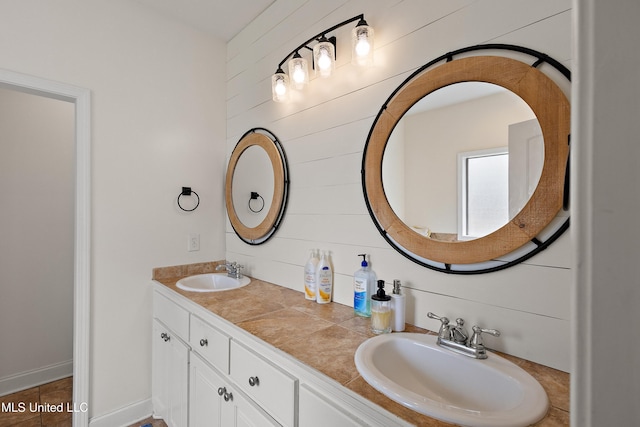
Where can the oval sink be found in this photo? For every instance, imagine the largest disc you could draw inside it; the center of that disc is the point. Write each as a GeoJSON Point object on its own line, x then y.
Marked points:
{"type": "Point", "coordinates": [414, 371]}
{"type": "Point", "coordinates": [211, 282]}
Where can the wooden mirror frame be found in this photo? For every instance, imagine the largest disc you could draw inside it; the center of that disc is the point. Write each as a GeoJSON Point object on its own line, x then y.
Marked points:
{"type": "Point", "coordinates": [517, 240]}
{"type": "Point", "coordinates": [262, 232]}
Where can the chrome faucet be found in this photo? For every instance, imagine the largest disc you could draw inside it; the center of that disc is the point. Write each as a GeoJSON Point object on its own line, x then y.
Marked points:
{"type": "Point", "coordinates": [233, 269]}
{"type": "Point", "coordinates": [456, 338]}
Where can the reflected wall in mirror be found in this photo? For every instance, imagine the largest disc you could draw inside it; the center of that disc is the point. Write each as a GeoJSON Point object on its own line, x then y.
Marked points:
{"type": "Point", "coordinates": [460, 146]}
{"type": "Point", "coordinates": [257, 183]}
{"type": "Point", "coordinates": [420, 170]}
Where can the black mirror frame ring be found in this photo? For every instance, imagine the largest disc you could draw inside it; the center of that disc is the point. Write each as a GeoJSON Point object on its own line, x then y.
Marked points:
{"type": "Point", "coordinates": [448, 268]}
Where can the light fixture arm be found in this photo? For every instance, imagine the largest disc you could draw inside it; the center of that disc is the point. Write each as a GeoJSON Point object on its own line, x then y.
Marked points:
{"type": "Point", "coordinates": [321, 35]}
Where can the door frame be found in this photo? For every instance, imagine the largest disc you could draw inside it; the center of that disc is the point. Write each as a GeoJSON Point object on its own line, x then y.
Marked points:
{"type": "Point", "coordinates": [82, 243]}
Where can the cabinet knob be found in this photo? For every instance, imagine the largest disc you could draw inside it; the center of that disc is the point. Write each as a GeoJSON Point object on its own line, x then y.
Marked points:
{"type": "Point", "coordinates": [228, 397]}
{"type": "Point", "coordinates": [165, 336]}
{"type": "Point", "coordinates": [221, 391]}
{"type": "Point", "coordinates": [204, 342]}
{"type": "Point", "coordinates": [254, 381]}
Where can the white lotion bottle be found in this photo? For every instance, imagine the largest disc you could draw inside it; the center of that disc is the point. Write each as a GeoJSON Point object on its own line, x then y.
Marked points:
{"type": "Point", "coordinates": [398, 308]}
{"type": "Point", "coordinates": [310, 273]}
{"type": "Point", "coordinates": [324, 281]}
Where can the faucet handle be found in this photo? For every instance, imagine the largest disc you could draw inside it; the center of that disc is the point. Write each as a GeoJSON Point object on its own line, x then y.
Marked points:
{"type": "Point", "coordinates": [444, 332]}
{"type": "Point", "coordinates": [239, 271]}
{"type": "Point", "coordinates": [476, 338]}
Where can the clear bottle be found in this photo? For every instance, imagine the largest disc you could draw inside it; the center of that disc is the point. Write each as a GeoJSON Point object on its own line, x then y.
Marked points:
{"type": "Point", "coordinates": [398, 307]}
{"type": "Point", "coordinates": [324, 280]}
{"type": "Point", "coordinates": [310, 273]}
{"type": "Point", "coordinates": [381, 311]}
{"type": "Point", "coordinates": [364, 282]}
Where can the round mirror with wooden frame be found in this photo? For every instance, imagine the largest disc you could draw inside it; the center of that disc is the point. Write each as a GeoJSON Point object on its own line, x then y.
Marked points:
{"type": "Point", "coordinates": [271, 211]}
{"type": "Point", "coordinates": [542, 219]}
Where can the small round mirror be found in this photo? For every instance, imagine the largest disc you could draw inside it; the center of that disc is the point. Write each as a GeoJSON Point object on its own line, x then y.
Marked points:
{"type": "Point", "coordinates": [257, 184]}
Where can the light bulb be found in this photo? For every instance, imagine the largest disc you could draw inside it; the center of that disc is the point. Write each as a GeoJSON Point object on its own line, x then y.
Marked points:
{"type": "Point", "coordinates": [281, 89]}
{"type": "Point", "coordinates": [324, 61]}
{"type": "Point", "coordinates": [363, 47]}
{"type": "Point", "coordinates": [298, 74]}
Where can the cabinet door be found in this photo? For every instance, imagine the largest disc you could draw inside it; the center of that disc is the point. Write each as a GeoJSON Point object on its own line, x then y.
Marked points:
{"type": "Point", "coordinates": [241, 411]}
{"type": "Point", "coordinates": [205, 405]}
{"type": "Point", "coordinates": [317, 411]}
{"type": "Point", "coordinates": [170, 376]}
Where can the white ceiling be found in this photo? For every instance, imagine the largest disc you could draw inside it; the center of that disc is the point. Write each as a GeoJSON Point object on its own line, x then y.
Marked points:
{"type": "Point", "coordinates": [220, 18]}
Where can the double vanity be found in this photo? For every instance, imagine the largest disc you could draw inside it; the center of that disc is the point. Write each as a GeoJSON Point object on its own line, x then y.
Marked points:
{"type": "Point", "coordinates": [260, 354]}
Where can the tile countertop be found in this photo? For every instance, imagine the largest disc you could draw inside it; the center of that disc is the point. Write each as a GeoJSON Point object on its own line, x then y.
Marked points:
{"type": "Point", "coordinates": [283, 318]}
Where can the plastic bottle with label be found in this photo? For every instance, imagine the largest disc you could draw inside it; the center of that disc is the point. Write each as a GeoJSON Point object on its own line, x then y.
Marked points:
{"type": "Point", "coordinates": [364, 282]}
{"type": "Point", "coordinates": [310, 273]}
{"type": "Point", "coordinates": [398, 308]}
{"type": "Point", "coordinates": [324, 280]}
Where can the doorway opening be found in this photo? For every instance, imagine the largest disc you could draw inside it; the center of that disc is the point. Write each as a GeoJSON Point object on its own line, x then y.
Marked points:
{"type": "Point", "coordinates": [80, 97]}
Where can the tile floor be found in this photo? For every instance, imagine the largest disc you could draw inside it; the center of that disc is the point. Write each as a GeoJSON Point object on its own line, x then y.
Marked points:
{"type": "Point", "coordinates": [39, 407]}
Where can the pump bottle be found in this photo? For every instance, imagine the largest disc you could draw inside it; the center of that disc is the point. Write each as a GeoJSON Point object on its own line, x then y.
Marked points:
{"type": "Point", "coordinates": [364, 281]}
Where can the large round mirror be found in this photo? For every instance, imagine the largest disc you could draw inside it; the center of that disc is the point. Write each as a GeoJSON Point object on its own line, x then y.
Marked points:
{"type": "Point", "coordinates": [465, 167]}
{"type": "Point", "coordinates": [257, 185]}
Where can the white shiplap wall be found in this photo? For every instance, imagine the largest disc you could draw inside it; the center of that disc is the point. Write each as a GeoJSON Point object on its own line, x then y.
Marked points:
{"type": "Point", "coordinates": [324, 132]}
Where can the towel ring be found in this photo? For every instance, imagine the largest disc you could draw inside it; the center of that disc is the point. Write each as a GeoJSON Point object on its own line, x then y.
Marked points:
{"type": "Point", "coordinates": [187, 191]}
{"type": "Point", "coordinates": [255, 196]}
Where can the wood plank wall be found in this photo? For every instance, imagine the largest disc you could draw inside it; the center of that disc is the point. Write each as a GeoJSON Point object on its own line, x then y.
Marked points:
{"type": "Point", "coordinates": [324, 133]}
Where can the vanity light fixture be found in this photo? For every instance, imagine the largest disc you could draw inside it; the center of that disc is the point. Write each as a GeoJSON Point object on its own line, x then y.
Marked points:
{"type": "Point", "coordinates": [323, 58]}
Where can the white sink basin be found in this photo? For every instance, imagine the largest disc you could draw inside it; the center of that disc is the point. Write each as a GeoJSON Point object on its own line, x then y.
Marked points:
{"type": "Point", "coordinates": [414, 371]}
{"type": "Point", "coordinates": [211, 282]}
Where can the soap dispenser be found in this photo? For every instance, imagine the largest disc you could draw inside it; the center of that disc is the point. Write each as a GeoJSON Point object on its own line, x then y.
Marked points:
{"type": "Point", "coordinates": [381, 311]}
{"type": "Point", "coordinates": [398, 307]}
{"type": "Point", "coordinates": [364, 282]}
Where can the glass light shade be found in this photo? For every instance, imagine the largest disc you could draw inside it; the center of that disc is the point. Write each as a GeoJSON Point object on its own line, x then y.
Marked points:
{"type": "Point", "coordinates": [362, 45]}
{"type": "Point", "coordinates": [280, 86]}
{"type": "Point", "coordinates": [298, 72]}
{"type": "Point", "coordinates": [324, 57]}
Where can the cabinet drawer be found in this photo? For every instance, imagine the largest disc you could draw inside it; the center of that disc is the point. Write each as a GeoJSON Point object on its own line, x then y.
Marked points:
{"type": "Point", "coordinates": [171, 314]}
{"type": "Point", "coordinates": [210, 343]}
{"type": "Point", "coordinates": [270, 387]}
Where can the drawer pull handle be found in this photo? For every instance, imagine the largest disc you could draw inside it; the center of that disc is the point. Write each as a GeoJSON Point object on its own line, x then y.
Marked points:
{"type": "Point", "coordinates": [254, 381]}
{"type": "Point", "coordinates": [228, 397]}
{"type": "Point", "coordinates": [221, 391]}
{"type": "Point", "coordinates": [204, 342]}
{"type": "Point", "coordinates": [165, 336]}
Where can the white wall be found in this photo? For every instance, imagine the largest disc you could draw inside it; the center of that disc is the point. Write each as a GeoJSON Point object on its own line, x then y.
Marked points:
{"type": "Point", "coordinates": [324, 134]}
{"type": "Point", "coordinates": [606, 384]}
{"type": "Point", "coordinates": [37, 229]}
{"type": "Point", "coordinates": [157, 125]}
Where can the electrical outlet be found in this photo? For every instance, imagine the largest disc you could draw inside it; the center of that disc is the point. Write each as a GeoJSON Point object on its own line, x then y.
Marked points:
{"type": "Point", "coordinates": [193, 243]}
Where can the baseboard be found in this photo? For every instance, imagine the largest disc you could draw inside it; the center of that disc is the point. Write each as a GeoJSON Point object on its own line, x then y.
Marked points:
{"type": "Point", "coordinates": [124, 417]}
{"type": "Point", "coordinates": [35, 377]}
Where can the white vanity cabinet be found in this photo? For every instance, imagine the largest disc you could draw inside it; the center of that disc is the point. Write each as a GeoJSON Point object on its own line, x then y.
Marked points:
{"type": "Point", "coordinates": [212, 373]}
{"type": "Point", "coordinates": [170, 362]}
